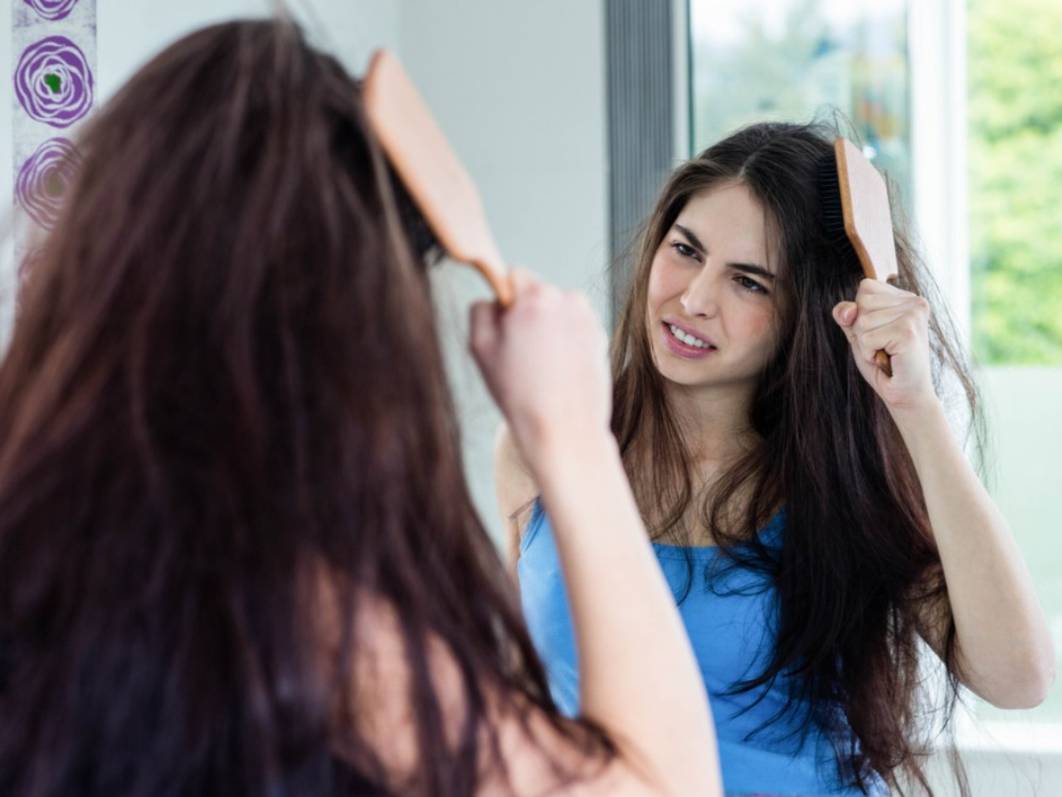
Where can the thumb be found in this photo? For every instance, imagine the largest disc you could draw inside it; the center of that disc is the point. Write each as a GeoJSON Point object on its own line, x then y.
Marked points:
{"type": "Point", "coordinates": [522, 280]}
{"type": "Point", "coordinates": [844, 313]}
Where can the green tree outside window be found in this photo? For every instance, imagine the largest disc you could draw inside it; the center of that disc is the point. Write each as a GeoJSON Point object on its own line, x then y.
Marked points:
{"type": "Point", "coordinates": [1015, 180]}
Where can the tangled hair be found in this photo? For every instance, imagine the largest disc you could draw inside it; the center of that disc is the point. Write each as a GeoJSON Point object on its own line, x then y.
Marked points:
{"type": "Point", "coordinates": [223, 387]}
{"type": "Point", "coordinates": [858, 576]}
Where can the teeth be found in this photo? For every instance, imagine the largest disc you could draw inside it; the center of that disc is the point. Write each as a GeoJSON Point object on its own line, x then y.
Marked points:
{"type": "Point", "coordinates": [686, 338]}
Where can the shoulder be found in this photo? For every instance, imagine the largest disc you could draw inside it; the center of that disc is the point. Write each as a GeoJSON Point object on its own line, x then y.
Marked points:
{"type": "Point", "coordinates": [515, 488]}
{"type": "Point", "coordinates": [535, 753]}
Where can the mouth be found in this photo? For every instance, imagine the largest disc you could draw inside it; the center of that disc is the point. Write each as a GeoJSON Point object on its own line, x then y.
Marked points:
{"type": "Point", "coordinates": [685, 343]}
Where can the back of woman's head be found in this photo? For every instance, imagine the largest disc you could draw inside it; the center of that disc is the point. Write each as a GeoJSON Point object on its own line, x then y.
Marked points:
{"type": "Point", "coordinates": [857, 568]}
{"type": "Point", "coordinates": [223, 387]}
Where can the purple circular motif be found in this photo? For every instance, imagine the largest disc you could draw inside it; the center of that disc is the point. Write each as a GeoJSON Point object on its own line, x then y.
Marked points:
{"type": "Point", "coordinates": [53, 81]}
{"type": "Point", "coordinates": [43, 180]}
{"type": "Point", "coordinates": [52, 9]}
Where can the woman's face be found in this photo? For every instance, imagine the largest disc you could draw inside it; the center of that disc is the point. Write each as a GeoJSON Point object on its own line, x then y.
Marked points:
{"type": "Point", "coordinates": [711, 312]}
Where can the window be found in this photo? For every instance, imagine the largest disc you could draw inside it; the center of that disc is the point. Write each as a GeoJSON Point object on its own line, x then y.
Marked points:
{"type": "Point", "coordinates": [1014, 111]}
{"type": "Point", "coordinates": [1015, 168]}
{"type": "Point", "coordinates": [790, 59]}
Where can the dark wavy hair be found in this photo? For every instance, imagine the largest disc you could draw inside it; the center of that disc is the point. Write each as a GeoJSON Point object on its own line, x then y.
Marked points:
{"type": "Point", "coordinates": [858, 576]}
{"type": "Point", "coordinates": [224, 385]}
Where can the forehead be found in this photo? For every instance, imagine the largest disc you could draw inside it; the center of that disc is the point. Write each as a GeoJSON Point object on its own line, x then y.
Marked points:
{"type": "Point", "coordinates": [731, 222]}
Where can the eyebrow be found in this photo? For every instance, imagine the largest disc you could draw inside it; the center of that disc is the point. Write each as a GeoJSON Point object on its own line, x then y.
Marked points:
{"type": "Point", "coordinates": [695, 242]}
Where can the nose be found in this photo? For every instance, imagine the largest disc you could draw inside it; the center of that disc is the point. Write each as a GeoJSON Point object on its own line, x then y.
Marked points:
{"type": "Point", "coordinates": [700, 297]}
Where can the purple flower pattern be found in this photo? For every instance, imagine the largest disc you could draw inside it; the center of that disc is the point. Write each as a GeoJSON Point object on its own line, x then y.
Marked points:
{"type": "Point", "coordinates": [44, 178]}
{"type": "Point", "coordinates": [53, 82]}
{"type": "Point", "coordinates": [52, 9]}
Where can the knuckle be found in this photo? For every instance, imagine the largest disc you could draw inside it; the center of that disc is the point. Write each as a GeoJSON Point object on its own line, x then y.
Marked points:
{"type": "Point", "coordinates": [548, 292]}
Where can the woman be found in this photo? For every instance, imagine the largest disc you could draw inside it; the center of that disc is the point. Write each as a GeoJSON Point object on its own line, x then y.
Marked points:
{"type": "Point", "coordinates": [237, 554]}
{"type": "Point", "coordinates": [816, 519]}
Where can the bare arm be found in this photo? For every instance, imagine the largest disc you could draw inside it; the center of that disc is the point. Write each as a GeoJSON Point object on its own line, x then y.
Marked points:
{"type": "Point", "coordinates": [545, 362]}
{"type": "Point", "coordinates": [1004, 649]}
{"type": "Point", "coordinates": [638, 674]}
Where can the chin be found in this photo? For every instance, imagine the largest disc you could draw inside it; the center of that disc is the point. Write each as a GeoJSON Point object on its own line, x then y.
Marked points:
{"type": "Point", "coordinates": [687, 380]}
{"type": "Point", "coordinates": [686, 374]}
{"type": "Point", "coordinates": [699, 375]}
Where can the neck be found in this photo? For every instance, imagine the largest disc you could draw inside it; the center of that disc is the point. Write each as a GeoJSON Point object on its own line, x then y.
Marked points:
{"type": "Point", "coordinates": [714, 421]}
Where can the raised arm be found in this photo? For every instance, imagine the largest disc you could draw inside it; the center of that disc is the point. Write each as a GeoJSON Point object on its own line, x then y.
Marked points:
{"type": "Point", "coordinates": [1004, 648]}
{"type": "Point", "coordinates": [544, 361]}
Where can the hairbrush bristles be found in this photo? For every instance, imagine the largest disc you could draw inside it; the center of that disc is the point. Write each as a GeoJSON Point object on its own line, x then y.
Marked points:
{"type": "Point", "coordinates": [421, 238]}
{"type": "Point", "coordinates": [832, 209]}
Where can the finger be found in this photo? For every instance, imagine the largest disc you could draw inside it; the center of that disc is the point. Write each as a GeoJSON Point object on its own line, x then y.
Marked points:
{"type": "Point", "coordinates": [879, 288]}
{"type": "Point", "coordinates": [845, 313]}
{"type": "Point", "coordinates": [482, 328]}
{"type": "Point", "coordinates": [589, 316]}
{"type": "Point", "coordinates": [877, 301]}
{"type": "Point", "coordinates": [892, 338]}
{"type": "Point", "coordinates": [876, 319]}
{"type": "Point", "coordinates": [582, 301]}
{"type": "Point", "coordinates": [865, 354]}
{"type": "Point", "coordinates": [523, 281]}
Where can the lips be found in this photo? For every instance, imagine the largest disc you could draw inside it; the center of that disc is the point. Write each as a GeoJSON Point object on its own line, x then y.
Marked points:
{"type": "Point", "coordinates": [686, 351]}
{"type": "Point", "coordinates": [670, 322]}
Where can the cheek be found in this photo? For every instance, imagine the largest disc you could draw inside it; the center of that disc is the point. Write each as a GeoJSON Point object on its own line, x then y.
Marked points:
{"type": "Point", "coordinates": [756, 325]}
{"type": "Point", "coordinates": [665, 283]}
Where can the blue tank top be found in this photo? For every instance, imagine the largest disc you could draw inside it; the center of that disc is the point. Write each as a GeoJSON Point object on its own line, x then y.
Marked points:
{"type": "Point", "coordinates": [730, 625]}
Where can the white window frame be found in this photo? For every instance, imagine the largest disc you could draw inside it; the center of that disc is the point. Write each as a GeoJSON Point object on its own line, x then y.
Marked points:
{"type": "Point", "coordinates": [936, 43]}
{"type": "Point", "coordinates": [936, 36]}
{"type": "Point", "coordinates": [681, 102]}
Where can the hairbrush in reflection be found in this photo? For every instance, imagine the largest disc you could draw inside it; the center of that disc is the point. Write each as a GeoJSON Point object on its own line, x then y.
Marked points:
{"type": "Point", "coordinates": [855, 206]}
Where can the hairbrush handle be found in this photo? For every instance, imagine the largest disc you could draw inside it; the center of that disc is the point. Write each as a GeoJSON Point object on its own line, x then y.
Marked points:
{"type": "Point", "coordinates": [497, 277]}
{"type": "Point", "coordinates": [883, 361]}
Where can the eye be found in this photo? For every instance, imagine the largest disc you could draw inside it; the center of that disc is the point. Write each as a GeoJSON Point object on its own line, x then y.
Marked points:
{"type": "Point", "coordinates": [749, 284]}
{"type": "Point", "coordinates": [685, 250]}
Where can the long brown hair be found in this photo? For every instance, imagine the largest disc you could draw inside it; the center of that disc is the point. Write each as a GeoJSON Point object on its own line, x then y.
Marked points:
{"type": "Point", "coordinates": [858, 565]}
{"type": "Point", "coordinates": [224, 375]}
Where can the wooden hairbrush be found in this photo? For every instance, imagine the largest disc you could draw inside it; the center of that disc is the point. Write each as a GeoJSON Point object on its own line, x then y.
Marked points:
{"type": "Point", "coordinates": [855, 203]}
{"type": "Point", "coordinates": [430, 172]}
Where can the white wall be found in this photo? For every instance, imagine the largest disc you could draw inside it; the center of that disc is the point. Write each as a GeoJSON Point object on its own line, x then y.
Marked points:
{"type": "Point", "coordinates": [1001, 773]}
{"type": "Point", "coordinates": [131, 31]}
{"type": "Point", "coordinates": [519, 88]}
